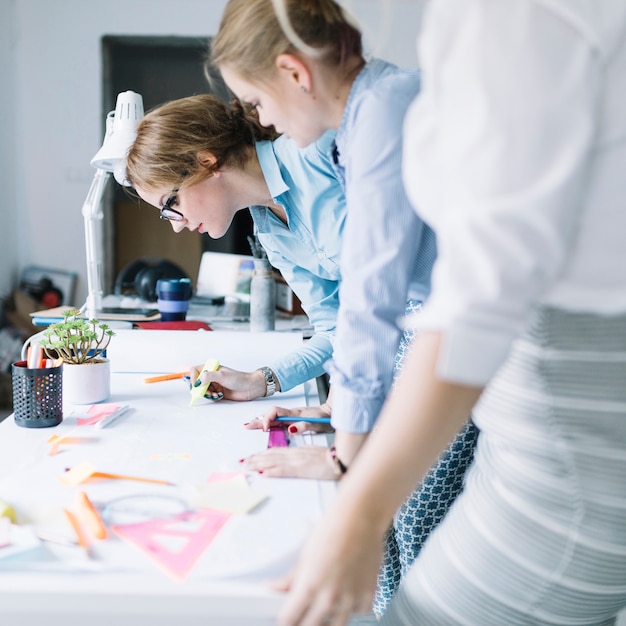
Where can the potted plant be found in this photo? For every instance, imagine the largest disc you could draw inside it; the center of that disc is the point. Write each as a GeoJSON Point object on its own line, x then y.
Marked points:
{"type": "Point", "coordinates": [81, 345]}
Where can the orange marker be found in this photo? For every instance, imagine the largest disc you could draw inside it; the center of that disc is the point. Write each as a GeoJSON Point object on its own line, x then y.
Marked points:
{"type": "Point", "coordinates": [158, 379]}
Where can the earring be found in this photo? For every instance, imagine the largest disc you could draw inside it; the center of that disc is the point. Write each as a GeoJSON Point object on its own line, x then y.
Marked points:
{"type": "Point", "coordinates": [303, 89]}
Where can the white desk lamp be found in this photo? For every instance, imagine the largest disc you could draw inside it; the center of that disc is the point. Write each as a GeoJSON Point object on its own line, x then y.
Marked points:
{"type": "Point", "coordinates": [121, 130]}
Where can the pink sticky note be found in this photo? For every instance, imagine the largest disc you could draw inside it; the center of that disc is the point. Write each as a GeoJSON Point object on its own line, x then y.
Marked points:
{"type": "Point", "coordinates": [5, 532]}
{"type": "Point", "coordinates": [97, 412]}
{"type": "Point", "coordinates": [218, 477]}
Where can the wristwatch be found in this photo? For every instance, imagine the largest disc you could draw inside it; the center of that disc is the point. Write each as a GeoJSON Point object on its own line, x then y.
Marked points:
{"type": "Point", "coordinates": [270, 381]}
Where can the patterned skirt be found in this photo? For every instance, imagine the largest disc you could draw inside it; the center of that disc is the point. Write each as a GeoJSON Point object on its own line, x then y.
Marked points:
{"type": "Point", "coordinates": [427, 505]}
{"type": "Point", "coordinates": [538, 536]}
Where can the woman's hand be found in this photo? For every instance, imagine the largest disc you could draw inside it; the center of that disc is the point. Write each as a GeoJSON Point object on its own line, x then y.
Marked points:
{"type": "Point", "coordinates": [266, 420]}
{"type": "Point", "coordinates": [230, 384]}
{"type": "Point", "coordinates": [301, 462]}
{"type": "Point", "coordinates": [335, 575]}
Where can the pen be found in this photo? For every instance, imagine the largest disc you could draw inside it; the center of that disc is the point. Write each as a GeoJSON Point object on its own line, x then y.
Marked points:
{"type": "Point", "coordinates": [158, 379]}
{"type": "Point", "coordinates": [312, 420]}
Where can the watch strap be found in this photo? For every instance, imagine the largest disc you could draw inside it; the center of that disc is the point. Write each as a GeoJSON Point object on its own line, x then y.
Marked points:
{"type": "Point", "coordinates": [270, 381]}
{"type": "Point", "coordinates": [340, 466]}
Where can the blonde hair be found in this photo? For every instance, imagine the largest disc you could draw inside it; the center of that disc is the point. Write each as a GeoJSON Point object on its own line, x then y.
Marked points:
{"type": "Point", "coordinates": [253, 33]}
{"type": "Point", "coordinates": [169, 138]}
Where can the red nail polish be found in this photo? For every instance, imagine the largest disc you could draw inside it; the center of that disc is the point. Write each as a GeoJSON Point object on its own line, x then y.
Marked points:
{"type": "Point", "coordinates": [260, 471]}
{"type": "Point", "coordinates": [242, 460]}
{"type": "Point", "coordinates": [246, 423]}
{"type": "Point", "coordinates": [293, 429]}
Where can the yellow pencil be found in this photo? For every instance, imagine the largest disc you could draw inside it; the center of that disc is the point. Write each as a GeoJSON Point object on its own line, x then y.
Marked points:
{"type": "Point", "coordinates": [158, 379]}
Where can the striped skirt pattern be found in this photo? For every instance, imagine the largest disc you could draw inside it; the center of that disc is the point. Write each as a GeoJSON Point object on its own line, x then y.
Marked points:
{"type": "Point", "coordinates": [538, 536]}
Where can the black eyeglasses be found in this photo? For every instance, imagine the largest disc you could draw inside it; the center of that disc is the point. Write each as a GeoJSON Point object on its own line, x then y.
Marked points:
{"type": "Point", "coordinates": [167, 212]}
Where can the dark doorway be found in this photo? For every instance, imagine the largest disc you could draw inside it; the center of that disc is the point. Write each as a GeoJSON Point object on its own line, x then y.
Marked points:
{"type": "Point", "coordinates": [160, 69]}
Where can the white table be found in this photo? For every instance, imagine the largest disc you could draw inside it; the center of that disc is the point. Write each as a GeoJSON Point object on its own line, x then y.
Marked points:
{"type": "Point", "coordinates": [161, 438]}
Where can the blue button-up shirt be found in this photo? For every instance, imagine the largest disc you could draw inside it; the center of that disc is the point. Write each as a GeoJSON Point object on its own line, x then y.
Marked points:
{"type": "Point", "coordinates": [306, 249]}
{"type": "Point", "coordinates": [388, 252]}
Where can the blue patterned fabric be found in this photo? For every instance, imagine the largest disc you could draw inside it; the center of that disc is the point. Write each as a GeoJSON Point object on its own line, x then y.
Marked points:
{"type": "Point", "coordinates": [427, 505]}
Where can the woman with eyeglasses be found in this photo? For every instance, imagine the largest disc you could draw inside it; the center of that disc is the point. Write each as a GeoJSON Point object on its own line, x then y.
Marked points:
{"type": "Point", "coordinates": [200, 161]}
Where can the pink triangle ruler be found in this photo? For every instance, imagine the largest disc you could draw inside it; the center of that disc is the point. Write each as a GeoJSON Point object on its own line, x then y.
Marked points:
{"type": "Point", "coordinates": [175, 544]}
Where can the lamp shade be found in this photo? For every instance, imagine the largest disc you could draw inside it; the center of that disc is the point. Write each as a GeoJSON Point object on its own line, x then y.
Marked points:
{"type": "Point", "coordinates": [120, 134]}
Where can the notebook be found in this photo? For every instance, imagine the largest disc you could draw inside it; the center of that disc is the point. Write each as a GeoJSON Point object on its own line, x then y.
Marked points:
{"type": "Point", "coordinates": [214, 312]}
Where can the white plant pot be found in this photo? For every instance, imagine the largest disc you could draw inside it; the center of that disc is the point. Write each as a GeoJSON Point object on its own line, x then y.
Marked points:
{"type": "Point", "coordinates": [86, 383]}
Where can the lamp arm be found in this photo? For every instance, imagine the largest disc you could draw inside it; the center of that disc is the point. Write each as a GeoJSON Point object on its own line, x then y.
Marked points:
{"type": "Point", "coordinates": [92, 216]}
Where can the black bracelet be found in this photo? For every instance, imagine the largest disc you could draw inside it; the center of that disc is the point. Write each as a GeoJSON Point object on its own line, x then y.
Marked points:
{"type": "Point", "coordinates": [342, 468]}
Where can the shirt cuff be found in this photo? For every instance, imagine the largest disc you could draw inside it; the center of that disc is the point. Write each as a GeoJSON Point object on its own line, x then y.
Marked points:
{"type": "Point", "coordinates": [470, 355]}
{"type": "Point", "coordinates": [304, 364]}
{"type": "Point", "coordinates": [356, 408]}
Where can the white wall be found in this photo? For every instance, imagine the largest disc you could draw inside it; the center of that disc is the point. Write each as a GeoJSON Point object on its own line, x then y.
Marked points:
{"type": "Point", "coordinates": [9, 209]}
{"type": "Point", "coordinates": [55, 104]}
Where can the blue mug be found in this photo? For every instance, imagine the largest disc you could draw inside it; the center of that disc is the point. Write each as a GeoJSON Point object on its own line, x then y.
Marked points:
{"type": "Point", "coordinates": [173, 298]}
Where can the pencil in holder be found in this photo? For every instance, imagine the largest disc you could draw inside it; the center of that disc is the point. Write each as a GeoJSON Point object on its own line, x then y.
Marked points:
{"type": "Point", "coordinates": [37, 395]}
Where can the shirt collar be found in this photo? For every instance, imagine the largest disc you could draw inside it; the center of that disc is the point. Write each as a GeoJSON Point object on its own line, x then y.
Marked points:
{"type": "Point", "coordinates": [270, 168]}
{"type": "Point", "coordinates": [369, 72]}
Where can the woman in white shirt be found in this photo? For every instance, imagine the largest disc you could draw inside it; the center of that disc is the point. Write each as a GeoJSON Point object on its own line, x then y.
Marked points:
{"type": "Point", "coordinates": [515, 153]}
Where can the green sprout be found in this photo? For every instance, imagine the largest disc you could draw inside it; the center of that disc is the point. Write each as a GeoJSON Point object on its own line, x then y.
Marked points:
{"type": "Point", "coordinates": [76, 340]}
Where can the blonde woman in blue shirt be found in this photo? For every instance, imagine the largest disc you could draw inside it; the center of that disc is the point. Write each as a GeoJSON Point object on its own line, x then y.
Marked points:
{"type": "Point", "coordinates": [304, 71]}
{"type": "Point", "coordinates": [200, 161]}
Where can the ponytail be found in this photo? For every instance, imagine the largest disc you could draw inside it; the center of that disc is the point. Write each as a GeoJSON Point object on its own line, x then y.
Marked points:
{"type": "Point", "coordinates": [253, 33]}
{"type": "Point", "coordinates": [170, 137]}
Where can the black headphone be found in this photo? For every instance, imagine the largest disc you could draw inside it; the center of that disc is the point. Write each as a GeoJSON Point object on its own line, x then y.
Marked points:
{"type": "Point", "coordinates": [44, 291]}
{"type": "Point", "coordinates": [141, 277]}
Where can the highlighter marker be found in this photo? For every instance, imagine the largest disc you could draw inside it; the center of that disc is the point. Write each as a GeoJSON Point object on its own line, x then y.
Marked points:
{"type": "Point", "coordinates": [211, 365]}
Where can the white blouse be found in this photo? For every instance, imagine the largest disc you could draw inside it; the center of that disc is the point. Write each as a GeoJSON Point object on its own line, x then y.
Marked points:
{"type": "Point", "coordinates": [515, 153]}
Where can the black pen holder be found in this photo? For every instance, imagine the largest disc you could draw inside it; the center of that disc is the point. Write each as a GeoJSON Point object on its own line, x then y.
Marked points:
{"type": "Point", "coordinates": [37, 395]}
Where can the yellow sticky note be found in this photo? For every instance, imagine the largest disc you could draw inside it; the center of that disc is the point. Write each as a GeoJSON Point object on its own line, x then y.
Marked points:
{"type": "Point", "coordinates": [78, 474]}
{"type": "Point", "coordinates": [56, 441]}
{"type": "Point", "coordinates": [6, 510]}
{"type": "Point", "coordinates": [232, 496]}
{"type": "Point", "coordinates": [211, 365]}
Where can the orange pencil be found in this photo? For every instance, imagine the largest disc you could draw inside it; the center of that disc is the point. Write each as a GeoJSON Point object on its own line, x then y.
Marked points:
{"type": "Point", "coordinates": [124, 477]}
{"type": "Point", "coordinates": [158, 379]}
{"type": "Point", "coordinates": [83, 539]}
{"type": "Point", "coordinates": [90, 516]}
